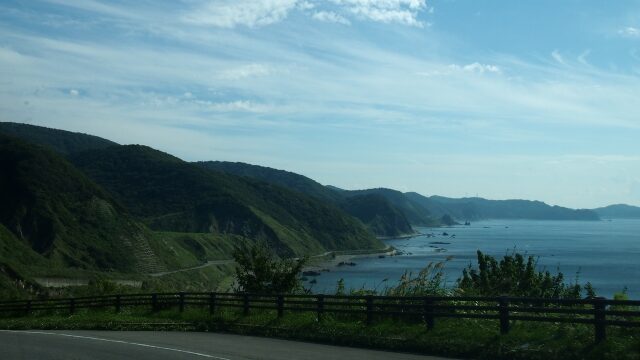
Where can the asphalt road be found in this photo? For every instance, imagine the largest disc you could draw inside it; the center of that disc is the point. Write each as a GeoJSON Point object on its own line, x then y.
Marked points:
{"type": "Point", "coordinates": [148, 345]}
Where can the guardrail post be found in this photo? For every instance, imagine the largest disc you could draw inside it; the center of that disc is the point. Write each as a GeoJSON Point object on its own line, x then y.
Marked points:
{"type": "Point", "coordinates": [154, 302]}
{"type": "Point", "coordinates": [246, 304]}
{"type": "Point", "coordinates": [118, 303]}
{"type": "Point", "coordinates": [428, 313]}
{"type": "Point", "coordinates": [212, 303]}
{"type": "Point", "coordinates": [280, 305]}
{"type": "Point", "coordinates": [369, 309]}
{"type": "Point", "coordinates": [504, 314]}
{"type": "Point", "coordinates": [599, 319]}
{"type": "Point", "coordinates": [181, 304]}
{"type": "Point", "coordinates": [72, 306]}
{"type": "Point", "coordinates": [320, 303]}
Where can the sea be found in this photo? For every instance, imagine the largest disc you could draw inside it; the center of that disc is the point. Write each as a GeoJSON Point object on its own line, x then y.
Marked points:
{"type": "Point", "coordinates": [605, 253]}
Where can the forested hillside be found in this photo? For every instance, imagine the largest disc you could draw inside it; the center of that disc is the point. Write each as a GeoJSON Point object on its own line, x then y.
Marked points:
{"type": "Point", "coordinates": [61, 141]}
{"type": "Point", "coordinates": [381, 216]}
{"type": "Point", "coordinates": [169, 194]}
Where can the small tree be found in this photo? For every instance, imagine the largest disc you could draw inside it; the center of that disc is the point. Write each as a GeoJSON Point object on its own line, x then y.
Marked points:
{"type": "Point", "coordinates": [515, 275]}
{"type": "Point", "coordinates": [260, 271]}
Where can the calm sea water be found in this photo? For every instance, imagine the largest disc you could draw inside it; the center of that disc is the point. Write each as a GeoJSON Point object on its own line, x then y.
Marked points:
{"type": "Point", "coordinates": [606, 253]}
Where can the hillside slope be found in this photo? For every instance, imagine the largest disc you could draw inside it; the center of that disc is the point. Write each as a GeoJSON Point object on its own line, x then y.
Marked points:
{"type": "Point", "coordinates": [282, 178]}
{"type": "Point", "coordinates": [380, 216]}
{"type": "Point", "coordinates": [172, 195]}
{"type": "Point", "coordinates": [415, 212]}
{"type": "Point", "coordinates": [62, 215]}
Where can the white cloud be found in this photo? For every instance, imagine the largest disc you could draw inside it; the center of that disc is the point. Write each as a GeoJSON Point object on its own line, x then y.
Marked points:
{"type": "Point", "coordinates": [246, 71]}
{"type": "Point", "coordinates": [629, 31]}
{"type": "Point", "coordinates": [475, 67]}
{"type": "Point", "coordinates": [305, 5]}
{"type": "Point", "coordinates": [386, 11]}
{"type": "Point", "coordinates": [257, 13]}
{"type": "Point", "coordinates": [231, 13]}
{"type": "Point", "coordinates": [328, 16]}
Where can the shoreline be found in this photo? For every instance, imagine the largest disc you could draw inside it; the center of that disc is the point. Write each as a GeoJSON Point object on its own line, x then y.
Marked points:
{"type": "Point", "coordinates": [403, 236]}
{"type": "Point", "coordinates": [334, 261]}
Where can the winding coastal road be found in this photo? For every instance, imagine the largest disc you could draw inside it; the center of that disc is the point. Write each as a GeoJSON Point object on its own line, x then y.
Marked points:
{"type": "Point", "coordinates": [148, 345]}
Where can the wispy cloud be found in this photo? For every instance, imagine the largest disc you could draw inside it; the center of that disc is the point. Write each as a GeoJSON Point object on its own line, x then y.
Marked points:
{"type": "Point", "coordinates": [476, 67]}
{"type": "Point", "coordinates": [629, 31]}
{"type": "Point", "coordinates": [332, 17]}
{"type": "Point", "coordinates": [387, 11]}
{"type": "Point", "coordinates": [247, 71]}
{"type": "Point", "coordinates": [94, 7]}
{"type": "Point", "coordinates": [252, 13]}
{"type": "Point", "coordinates": [231, 13]}
{"type": "Point", "coordinates": [555, 54]}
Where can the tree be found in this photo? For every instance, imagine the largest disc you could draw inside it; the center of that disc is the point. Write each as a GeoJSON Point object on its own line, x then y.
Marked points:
{"type": "Point", "coordinates": [260, 271]}
{"type": "Point", "coordinates": [516, 276]}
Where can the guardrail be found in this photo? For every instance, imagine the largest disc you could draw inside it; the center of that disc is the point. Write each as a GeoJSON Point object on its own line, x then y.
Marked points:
{"type": "Point", "coordinates": [599, 312]}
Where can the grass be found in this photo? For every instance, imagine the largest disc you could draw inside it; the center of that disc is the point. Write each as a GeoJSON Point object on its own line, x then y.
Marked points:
{"type": "Point", "coordinates": [182, 250]}
{"type": "Point", "coordinates": [460, 338]}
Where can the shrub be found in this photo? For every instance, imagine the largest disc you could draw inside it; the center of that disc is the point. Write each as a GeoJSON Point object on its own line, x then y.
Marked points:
{"type": "Point", "coordinates": [260, 271]}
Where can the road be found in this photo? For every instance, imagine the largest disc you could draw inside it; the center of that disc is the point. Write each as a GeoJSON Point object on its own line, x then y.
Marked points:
{"type": "Point", "coordinates": [148, 345]}
{"type": "Point", "coordinates": [208, 263]}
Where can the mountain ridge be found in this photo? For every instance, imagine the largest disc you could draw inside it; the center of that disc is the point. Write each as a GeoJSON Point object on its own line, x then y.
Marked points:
{"type": "Point", "coordinates": [619, 211]}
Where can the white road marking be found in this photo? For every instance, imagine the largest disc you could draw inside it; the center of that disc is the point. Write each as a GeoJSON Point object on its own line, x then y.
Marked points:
{"type": "Point", "coordinates": [119, 342]}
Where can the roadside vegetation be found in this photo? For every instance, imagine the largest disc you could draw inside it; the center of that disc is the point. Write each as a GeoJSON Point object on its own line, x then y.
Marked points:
{"type": "Point", "coordinates": [260, 270]}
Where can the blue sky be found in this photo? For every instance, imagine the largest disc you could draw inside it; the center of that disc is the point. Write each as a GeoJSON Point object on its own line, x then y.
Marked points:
{"type": "Point", "coordinates": [501, 99]}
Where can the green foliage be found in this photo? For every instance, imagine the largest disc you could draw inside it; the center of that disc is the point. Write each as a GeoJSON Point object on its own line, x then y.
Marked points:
{"type": "Point", "coordinates": [259, 271]}
{"type": "Point", "coordinates": [515, 276]}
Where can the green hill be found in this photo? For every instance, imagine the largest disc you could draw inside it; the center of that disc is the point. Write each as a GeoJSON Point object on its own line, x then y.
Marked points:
{"type": "Point", "coordinates": [415, 212]}
{"type": "Point", "coordinates": [62, 215]}
{"type": "Point", "coordinates": [479, 208]}
{"type": "Point", "coordinates": [380, 216]}
{"type": "Point", "coordinates": [282, 178]}
{"type": "Point", "coordinates": [169, 194]}
{"type": "Point", "coordinates": [619, 211]}
{"type": "Point", "coordinates": [61, 141]}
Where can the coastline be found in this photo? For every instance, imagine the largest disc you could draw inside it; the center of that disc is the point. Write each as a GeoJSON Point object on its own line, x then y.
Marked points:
{"type": "Point", "coordinates": [334, 259]}
{"type": "Point", "coordinates": [402, 236]}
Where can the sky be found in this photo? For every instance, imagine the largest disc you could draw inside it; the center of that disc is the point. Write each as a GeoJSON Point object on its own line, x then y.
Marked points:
{"type": "Point", "coordinates": [500, 99]}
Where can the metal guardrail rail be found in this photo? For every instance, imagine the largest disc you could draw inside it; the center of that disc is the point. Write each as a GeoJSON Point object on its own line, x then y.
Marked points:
{"type": "Point", "coordinates": [599, 312]}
